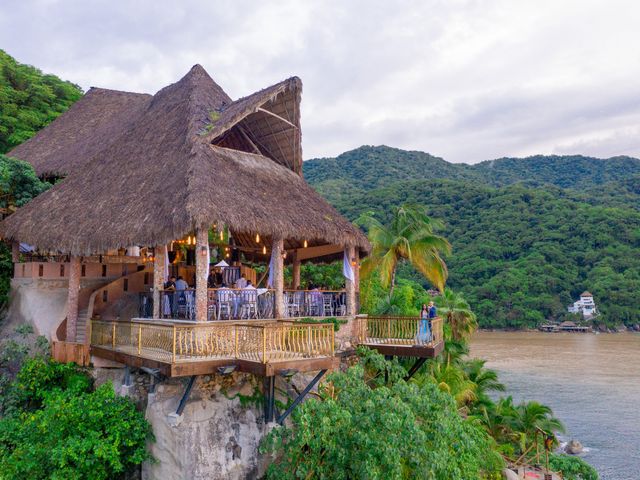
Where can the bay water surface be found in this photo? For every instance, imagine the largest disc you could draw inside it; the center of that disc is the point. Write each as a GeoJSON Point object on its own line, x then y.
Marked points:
{"type": "Point", "coordinates": [592, 383]}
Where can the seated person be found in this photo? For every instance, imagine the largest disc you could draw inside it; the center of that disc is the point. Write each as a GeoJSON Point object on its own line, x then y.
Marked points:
{"type": "Point", "coordinates": [241, 282]}
{"type": "Point", "coordinates": [181, 285]}
{"type": "Point", "coordinates": [211, 280]}
{"type": "Point", "coordinates": [249, 286]}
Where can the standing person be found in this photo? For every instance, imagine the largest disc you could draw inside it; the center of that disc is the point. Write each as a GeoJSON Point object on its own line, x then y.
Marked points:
{"type": "Point", "coordinates": [432, 314]}
{"type": "Point", "coordinates": [169, 286]}
{"type": "Point", "coordinates": [423, 325]}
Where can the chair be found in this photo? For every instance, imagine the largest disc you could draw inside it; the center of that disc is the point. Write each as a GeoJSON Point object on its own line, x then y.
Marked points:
{"type": "Point", "coordinates": [294, 303]}
{"type": "Point", "coordinates": [249, 304]}
{"type": "Point", "coordinates": [266, 305]}
{"type": "Point", "coordinates": [190, 305]}
{"type": "Point", "coordinates": [313, 303]}
{"type": "Point", "coordinates": [225, 299]}
{"type": "Point", "coordinates": [327, 304]}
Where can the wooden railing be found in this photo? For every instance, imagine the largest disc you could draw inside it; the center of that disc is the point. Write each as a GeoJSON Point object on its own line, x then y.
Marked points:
{"type": "Point", "coordinates": [173, 343]}
{"type": "Point", "coordinates": [398, 331]}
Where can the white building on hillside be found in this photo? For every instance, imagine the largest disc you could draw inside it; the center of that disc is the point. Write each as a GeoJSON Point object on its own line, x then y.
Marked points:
{"type": "Point", "coordinates": [586, 306]}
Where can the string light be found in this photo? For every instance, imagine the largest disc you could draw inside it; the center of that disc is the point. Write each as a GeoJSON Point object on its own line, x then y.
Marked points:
{"type": "Point", "coordinates": [257, 238]}
{"type": "Point", "coordinates": [305, 244]}
{"type": "Point", "coordinates": [221, 235]}
{"type": "Point", "coordinates": [264, 249]}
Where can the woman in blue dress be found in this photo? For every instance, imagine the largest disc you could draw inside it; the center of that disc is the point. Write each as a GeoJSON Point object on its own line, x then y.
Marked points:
{"type": "Point", "coordinates": [423, 327]}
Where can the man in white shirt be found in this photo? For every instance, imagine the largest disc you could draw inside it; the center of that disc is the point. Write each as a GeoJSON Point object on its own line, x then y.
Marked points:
{"type": "Point", "coordinates": [241, 282]}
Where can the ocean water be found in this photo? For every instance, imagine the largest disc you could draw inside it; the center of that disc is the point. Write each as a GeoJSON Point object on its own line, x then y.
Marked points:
{"type": "Point", "coordinates": [592, 383]}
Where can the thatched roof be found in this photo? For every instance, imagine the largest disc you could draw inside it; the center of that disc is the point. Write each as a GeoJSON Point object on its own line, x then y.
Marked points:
{"type": "Point", "coordinates": [93, 122]}
{"type": "Point", "coordinates": [162, 177]}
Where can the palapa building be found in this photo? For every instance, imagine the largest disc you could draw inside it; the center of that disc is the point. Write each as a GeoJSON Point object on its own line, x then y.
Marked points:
{"type": "Point", "coordinates": [149, 170]}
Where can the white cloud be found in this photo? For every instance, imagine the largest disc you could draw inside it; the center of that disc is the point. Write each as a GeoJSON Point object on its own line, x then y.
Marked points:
{"type": "Point", "coordinates": [465, 80]}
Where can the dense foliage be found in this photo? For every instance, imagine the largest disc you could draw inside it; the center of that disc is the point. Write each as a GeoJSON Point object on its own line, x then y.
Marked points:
{"type": "Point", "coordinates": [521, 253]}
{"type": "Point", "coordinates": [57, 427]}
{"type": "Point", "coordinates": [29, 100]}
{"type": "Point", "coordinates": [18, 185]}
{"type": "Point", "coordinates": [366, 428]}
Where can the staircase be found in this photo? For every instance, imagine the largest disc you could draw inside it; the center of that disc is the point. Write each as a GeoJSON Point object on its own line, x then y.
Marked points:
{"type": "Point", "coordinates": [81, 326]}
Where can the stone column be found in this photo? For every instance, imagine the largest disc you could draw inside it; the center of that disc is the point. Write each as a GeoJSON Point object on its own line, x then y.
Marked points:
{"type": "Point", "coordinates": [158, 279]}
{"type": "Point", "coordinates": [202, 245]}
{"type": "Point", "coordinates": [72, 298]}
{"type": "Point", "coordinates": [15, 251]}
{"type": "Point", "coordinates": [278, 276]}
{"type": "Point", "coordinates": [350, 286]}
{"type": "Point", "coordinates": [295, 271]}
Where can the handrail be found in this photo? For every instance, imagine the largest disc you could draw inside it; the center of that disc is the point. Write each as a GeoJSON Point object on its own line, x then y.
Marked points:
{"type": "Point", "coordinates": [399, 330]}
{"type": "Point", "coordinates": [175, 343]}
{"type": "Point", "coordinates": [92, 298]}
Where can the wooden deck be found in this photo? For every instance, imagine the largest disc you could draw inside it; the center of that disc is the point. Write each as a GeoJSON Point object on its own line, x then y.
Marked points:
{"type": "Point", "coordinates": [185, 349]}
{"type": "Point", "coordinates": [400, 336]}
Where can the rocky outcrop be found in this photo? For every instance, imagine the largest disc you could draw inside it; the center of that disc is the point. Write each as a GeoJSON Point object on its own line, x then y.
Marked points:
{"type": "Point", "coordinates": [217, 435]}
{"type": "Point", "coordinates": [573, 447]}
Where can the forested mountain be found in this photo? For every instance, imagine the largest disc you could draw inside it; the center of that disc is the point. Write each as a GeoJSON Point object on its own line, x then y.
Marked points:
{"type": "Point", "coordinates": [29, 100]}
{"type": "Point", "coordinates": [521, 251]}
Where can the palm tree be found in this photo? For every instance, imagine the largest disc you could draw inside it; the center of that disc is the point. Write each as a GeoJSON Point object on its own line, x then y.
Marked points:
{"type": "Point", "coordinates": [485, 379]}
{"type": "Point", "coordinates": [460, 317]}
{"type": "Point", "coordinates": [450, 379]}
{"type": "Point", "coordinates": [409, 236]}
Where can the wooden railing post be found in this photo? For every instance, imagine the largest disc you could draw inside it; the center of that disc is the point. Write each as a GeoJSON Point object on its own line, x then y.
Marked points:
{"type": "Point", "coordinates": [139, 339]}
{"type": "Point", "coordinates": [113, 335]}
{"type": "Point", "coordinates": [235, 327]}
{"type": "Point", "coordinates": [173, 353]}
{"type": "Point", "coordinates": [264, 345]}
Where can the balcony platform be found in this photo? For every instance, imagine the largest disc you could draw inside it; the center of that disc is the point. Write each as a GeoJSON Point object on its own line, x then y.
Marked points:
{"type": "Point", "coordinates": [400, 336]}
{"type": "Point", "coordinates": [204, 366]}
{"type": "Point", "coordinates": [430, 350]}
{"type": "Point", "coordinates": [186, 348]}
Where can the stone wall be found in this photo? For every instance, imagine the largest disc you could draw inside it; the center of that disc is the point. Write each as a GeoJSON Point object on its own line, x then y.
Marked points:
{"type": "Point", "coordinates": [43, 303]}
{"type": "Point", "coordinates": [217, 435]}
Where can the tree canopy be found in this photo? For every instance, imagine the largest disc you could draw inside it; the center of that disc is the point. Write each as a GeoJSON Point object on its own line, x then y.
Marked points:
{"type": "Point", "coordinates": [29, 100]}
{"type": "Point", "coordinates": [521, 251]}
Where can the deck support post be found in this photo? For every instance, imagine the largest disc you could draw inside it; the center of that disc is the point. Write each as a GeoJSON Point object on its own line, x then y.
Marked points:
{"type": "Point", "coordinates": [416, 366]}
{"type": "Point", "coordinates": [300, 397]}
{"type": "Point", "coordinates": [158, 279]}
{"type": "Point", "coordinates": [350, 286]}
{"type": "Point", "coordinates": [202, 267]}
{"type": "Point", "coordinates": [269, 398]}
{"type": "Point", "coordinates": [185, 395]}
{"type": "Point", "coordinates": [278, 276]}
{"type": "Point", "coordinates": [72, 298]}
{"type": "Point", "coordinates": [127, 376]}
{"type": "Point", "coordinates": [295, 272]}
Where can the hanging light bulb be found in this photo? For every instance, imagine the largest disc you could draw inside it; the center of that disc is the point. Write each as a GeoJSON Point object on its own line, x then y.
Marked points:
{"type": "Point", "coordinates": [305, 244]}
{"type": "Point", "coordinates": [257, 238]}
{"type": "Point", "coordinates": [221, 234]}
{"type": "Point", "coordinates": [264, 249]}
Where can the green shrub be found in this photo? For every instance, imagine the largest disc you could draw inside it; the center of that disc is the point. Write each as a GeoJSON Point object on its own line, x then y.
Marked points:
{"type": "Point", "coordinates": [572, 468]}
{"type": "Point", "coordinates": [335, 321]}
{"type": "Point", "coordinates": [59, 428]}
{"type": "Point", "coordinates": [364, 429]}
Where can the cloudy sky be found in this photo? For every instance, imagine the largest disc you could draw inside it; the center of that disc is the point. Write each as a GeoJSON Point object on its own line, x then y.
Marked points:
{"type": "Point", "coordinates": [464, 80]}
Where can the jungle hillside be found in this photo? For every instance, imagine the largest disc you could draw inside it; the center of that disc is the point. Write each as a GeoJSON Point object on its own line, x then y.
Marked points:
{"type": "Point", "coordinates": [528, 235]}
